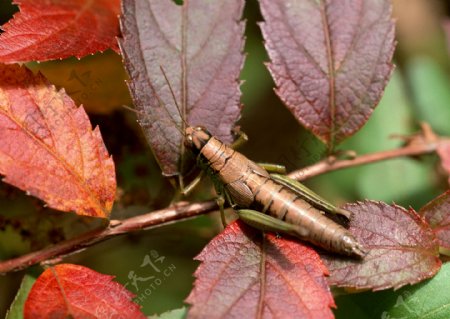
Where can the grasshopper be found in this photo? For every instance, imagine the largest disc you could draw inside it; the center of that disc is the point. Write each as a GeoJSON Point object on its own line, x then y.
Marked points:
{"type": "Point", "coordinates": [270, 202]}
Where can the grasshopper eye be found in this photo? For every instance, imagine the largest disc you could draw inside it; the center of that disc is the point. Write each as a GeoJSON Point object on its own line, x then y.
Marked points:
{"type": "Point", "coordinates": [189, 140]}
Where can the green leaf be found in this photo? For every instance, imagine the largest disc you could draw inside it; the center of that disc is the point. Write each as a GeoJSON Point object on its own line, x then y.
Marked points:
{"type": "Point", "coordinates": [172, 314]}
{"type": "Point", "coordinates": [16, 309]}
{"type": "Point", "coordinates": [430, 86]}
{"type": "Point", "coordinates": [427, 300]}
{"type": "Point", "coordinates": [401, 179]}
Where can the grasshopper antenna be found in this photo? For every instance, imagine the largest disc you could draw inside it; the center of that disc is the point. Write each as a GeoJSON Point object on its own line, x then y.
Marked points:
{"type": "Point", "coordinates": [174, 98]}
{"type": "Point", "coordinates": [131, 109]}
{"type": "Point", "coordinates": [185, 124]}
{"type": "Point", "coordinates": [161, 104]}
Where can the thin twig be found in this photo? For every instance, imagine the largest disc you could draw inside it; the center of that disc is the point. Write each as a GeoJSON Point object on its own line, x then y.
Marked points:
{"type": "Point", "coordinates": [424, 143]}
{"type": "Point", "coordinates": [146, 221]}
{"type": "Point", "coordinates": [329, 164]}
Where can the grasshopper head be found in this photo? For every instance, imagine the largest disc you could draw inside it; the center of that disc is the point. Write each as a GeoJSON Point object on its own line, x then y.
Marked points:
{"type": "Point", "coordinates": [196, 138]}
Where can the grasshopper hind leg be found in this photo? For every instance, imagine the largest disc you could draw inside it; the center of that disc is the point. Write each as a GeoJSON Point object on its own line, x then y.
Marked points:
{"type": "Point", "coordinates": [265, 222]}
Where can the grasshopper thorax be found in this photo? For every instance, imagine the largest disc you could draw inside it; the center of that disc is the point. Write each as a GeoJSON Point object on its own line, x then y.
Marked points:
{"type": "Point", "coordinates": [196, 138]}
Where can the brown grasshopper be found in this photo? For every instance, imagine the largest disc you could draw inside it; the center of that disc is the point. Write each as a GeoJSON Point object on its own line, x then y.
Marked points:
{"type": "Point", "coordinates": [270, 202]}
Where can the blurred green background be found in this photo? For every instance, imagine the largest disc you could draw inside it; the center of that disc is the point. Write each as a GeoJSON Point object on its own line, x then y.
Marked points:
{"type": "Point", "coordinates": [418, 91]}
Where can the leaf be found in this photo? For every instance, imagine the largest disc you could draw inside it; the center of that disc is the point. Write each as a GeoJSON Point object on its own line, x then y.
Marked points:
{"type": "Point", "coordinates": [425, 300]}
{"type": "Point", "coordinates": [47, 30]}
{"type": "Point", "coordinates": [437, 214]}
{"type": "Point", "coordinates": [331, 60]}
{"type": "Point", "coordinates": [402, 249]}
{"type": "Point", "coordinates": [446, 26]}
{"type": "Point", "coordinates": [429, 88]}
{"type": "Point", "coordinates": [16, 309]}
{"type": "Point", "coordinates": [443, 150]}
{"type": "Point", "coordinates": [199, 47]}
{"type": "Point", "coordinates": [245, 275]}
{"type": "Point", "coordinates": [49, 148]}
{"type": "Point", "coordinates": [403, 179]}
{"type": "Point", "coordinates": [75, 291]}
{"type": "Point", "coordinates": [172, 314]}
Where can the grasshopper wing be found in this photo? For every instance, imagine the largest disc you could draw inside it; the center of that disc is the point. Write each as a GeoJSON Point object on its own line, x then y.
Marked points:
{"type": "Point", "coordinates": [309, 196]}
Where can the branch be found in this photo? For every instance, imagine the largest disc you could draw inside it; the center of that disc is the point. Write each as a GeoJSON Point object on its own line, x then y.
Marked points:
{"type": "Point", "coordinates": [424, 143]}
{"type": "Point", "coordinates": [150, 220]}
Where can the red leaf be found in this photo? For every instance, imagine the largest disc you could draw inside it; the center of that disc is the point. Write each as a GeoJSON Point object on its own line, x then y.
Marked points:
{"type": "Point", "coordinates": [437, 214]}
{"type": "Point", "coordinates": [46, 30]}
{"type": "Point", "coordinates": [49, 148]}
{"type": "Point", "coordinates": [74, 291]}
{"type": "Point", "coordinates": [443, 151]}
{"type": "Point", "coordinates": [402, 249]}
{"type": "Point", "coordinates": [244, 275]}
{"type": "Point", "coordinates": [199, 46]}
{"type": "Point", "coordinates": [331, 60]}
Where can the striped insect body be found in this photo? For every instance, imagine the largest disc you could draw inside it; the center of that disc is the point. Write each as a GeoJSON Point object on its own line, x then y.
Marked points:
{"type": "Point", "coordinates": [286, 206]}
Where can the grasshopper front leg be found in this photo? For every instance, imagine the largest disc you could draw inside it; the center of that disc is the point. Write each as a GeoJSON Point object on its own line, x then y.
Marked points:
{"type": "Point", "coordinates": [220, 200]}
{"type": "Point", "coordinates": [222, 197]}
{"type": "Point", "coordinates": [241, 140]}
{"type": "Point", "coordinates": [185, 190]}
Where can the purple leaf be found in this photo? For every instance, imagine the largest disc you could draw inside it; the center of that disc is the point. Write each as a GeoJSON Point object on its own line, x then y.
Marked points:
{"type": "Point", "coordinates": [437, 214]}
{"type": "Point", "coordinates": [199, 47]}
{"type": "Point", "coordinates": [331, 60]}
{"type": "Point", "coordinates": [402, 249]}
{"type": "Point", "coordinates": [443, 152]}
